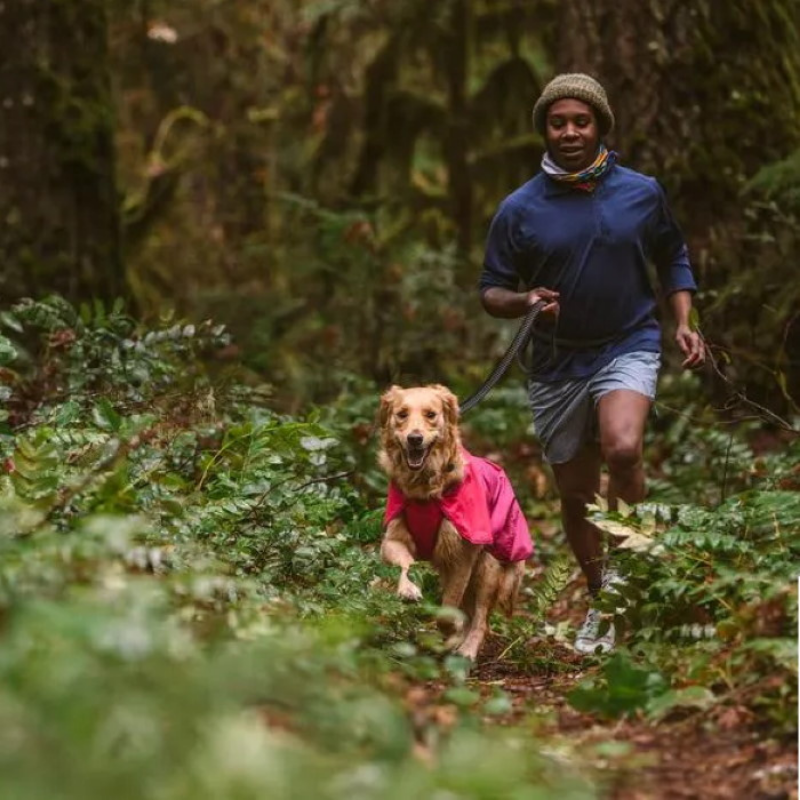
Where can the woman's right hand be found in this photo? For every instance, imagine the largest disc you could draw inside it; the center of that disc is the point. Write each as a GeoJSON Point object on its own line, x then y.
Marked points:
{"type": "Point", "coordinates": [550, 311]}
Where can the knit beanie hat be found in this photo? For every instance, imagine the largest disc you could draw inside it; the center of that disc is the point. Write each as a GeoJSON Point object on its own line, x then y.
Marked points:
{"type": "Point", "coordinates": [580, 87]}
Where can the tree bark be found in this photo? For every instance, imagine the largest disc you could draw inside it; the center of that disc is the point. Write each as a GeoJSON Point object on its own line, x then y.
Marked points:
{"type": "Point", "coordinates": [699, 122]}
{"type": "Point", "coordinates": [706, 92]}
{"type": "Point", "coordinates": [59, 207]}
{"type": "Point", "coordinates": [457, 138]}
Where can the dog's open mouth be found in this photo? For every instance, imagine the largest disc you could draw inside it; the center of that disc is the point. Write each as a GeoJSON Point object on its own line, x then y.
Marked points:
{"type": "Point", "coordinates": [415, 456]}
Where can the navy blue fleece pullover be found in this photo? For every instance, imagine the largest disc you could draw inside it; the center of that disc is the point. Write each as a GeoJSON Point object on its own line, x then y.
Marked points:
{"type": "Point", "coordinates": [593, 248]}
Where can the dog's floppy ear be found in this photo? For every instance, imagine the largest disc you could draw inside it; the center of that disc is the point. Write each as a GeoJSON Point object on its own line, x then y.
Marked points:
{"type": "Point", "coordinates": [449, 403]}
{"type": "Point", "coordinates": [387, 403]}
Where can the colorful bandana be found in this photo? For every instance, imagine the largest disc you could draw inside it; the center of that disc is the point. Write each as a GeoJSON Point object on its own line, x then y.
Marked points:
{"type": "Point", "coordinates": [587, 179]}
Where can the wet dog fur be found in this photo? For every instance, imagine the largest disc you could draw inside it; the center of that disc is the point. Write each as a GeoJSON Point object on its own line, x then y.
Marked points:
{"type": "Point", "coordinates": [421, 454]}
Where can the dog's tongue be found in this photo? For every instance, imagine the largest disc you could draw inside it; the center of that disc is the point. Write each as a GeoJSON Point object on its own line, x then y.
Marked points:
{"type": "Point", "coordinates": [415, 458]}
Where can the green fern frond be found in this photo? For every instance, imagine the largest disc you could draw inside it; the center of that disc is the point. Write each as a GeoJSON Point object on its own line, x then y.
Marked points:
{"type": "Point", "coordinates": [550, 587]}
{"type": "Point", "coordinates": [34, 473]}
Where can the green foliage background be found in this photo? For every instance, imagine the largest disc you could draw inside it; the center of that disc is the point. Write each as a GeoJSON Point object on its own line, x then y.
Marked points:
{"type": "Point", "coordinates": [190, 599]}
{"type": "Point", "coordinates": [320, 176]}
{"type": "Point", "coordinates": [192, 603]}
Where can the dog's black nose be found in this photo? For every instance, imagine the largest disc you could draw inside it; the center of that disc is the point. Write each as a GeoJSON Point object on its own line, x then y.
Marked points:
{"type": "Point", "coordinates": [415, 439]}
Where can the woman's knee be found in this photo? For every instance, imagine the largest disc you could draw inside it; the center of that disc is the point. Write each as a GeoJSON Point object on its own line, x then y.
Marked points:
{"type": "Point", "coordinates": [623, 454]}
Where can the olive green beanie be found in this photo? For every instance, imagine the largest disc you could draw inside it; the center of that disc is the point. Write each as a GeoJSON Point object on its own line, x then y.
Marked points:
{"type": "Point", "coordinates": [580, 87]}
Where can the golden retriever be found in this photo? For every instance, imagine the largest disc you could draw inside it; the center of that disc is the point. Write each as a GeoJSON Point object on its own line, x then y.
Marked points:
{"type": "Point", "coordinates": [422, 454]}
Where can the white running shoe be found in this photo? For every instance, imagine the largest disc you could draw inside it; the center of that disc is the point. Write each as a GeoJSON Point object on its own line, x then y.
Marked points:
{"type": "Point", "coordinates": [588, 640]}
{"type": "Point", "coordinates": [611, 577]}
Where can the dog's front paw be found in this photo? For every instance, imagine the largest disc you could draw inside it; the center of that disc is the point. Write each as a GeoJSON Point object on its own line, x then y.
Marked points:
{"type": "Point", "coordinates": [409, 592]}
{"type": "Point", "coordinates": [468, 649]}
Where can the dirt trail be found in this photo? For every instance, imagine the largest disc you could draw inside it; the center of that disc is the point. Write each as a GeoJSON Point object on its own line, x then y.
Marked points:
{"type": "Point", "coordinates": [715, 754]}
{"type": "Point", "coordinates": [694, 756]}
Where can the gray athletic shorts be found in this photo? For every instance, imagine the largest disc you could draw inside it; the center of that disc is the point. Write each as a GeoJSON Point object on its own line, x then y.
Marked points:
{"type": "Point", "coordinates": [564, 412]}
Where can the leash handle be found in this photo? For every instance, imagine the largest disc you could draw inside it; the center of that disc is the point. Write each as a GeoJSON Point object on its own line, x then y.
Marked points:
{"type": "Point", "coordinates": [519, 341]}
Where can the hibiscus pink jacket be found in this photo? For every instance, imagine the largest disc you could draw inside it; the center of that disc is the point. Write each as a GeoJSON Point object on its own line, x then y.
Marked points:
{"type": "Point", "coordinates": [482, 508]}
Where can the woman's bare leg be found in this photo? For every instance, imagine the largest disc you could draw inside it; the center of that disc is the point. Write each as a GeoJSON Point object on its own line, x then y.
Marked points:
{"type": "Point", "coordinates": [622, 415]}
{"type": "Point", "coordinates": [578, 482]}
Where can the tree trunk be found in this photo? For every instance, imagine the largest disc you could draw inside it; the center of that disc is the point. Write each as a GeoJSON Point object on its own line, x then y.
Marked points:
{"type": "Point", "coordinates": [706, 92]}
{"type": "Point", "coordinates": [698, 121]}
{"type": "Point", "coordinates": [59, 208]}
{"type": "Point", "coordinates": [457, 139]}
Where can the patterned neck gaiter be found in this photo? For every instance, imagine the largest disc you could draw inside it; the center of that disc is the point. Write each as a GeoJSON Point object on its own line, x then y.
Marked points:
{"type": "Point", "coordinates": [585, 180]}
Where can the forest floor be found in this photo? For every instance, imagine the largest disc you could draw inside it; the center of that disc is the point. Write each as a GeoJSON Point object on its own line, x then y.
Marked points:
{"type": "Point", "coordinates": [722, 750]}
{"type": "Point", "coordinates": [695, 754]}
{"type": "Point", "coordinates": [192, 602]}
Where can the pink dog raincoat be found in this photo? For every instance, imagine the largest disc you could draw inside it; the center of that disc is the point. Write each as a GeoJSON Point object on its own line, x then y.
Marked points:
{"type": "Point", "coordinates": [482, 508]}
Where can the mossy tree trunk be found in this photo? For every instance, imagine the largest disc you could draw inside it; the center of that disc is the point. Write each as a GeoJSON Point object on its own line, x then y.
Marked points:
{"type": "Point", "coordinates": [59, 208]}
{"type": "Point", "coordinates": [705, 91]}
{"type": "Point", "coordinates": [457, 140]}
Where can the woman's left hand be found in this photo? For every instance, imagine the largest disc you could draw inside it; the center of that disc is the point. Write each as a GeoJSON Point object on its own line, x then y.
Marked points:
{"type": "Point", "coordinates": [692, 346]}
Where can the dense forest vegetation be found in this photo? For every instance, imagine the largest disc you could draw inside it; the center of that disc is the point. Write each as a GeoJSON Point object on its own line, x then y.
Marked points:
{"type": "Point", "coordinates": [227, 226]}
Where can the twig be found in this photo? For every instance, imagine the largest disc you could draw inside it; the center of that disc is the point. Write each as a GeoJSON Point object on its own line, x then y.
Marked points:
{"type": "Point", "coordinates": [742, 397]}
{"type": "Point", "coordinates": [506, 651]}
{"type": "Point", "coordinates": [725, 470]}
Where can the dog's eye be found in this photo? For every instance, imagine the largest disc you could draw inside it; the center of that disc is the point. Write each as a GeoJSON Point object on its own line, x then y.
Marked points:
{"type": "Point", "coordinates": [430, 414]}
{"type": "Point", "coordinates": [402, 414]}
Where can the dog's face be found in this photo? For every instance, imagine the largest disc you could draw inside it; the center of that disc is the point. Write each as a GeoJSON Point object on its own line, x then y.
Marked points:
{"type": "Point", "coordinates": [418, 422]}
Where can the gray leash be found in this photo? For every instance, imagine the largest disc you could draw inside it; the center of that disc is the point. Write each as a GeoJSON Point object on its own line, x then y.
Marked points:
{"type": "Point", "coordinates": [521, 338]}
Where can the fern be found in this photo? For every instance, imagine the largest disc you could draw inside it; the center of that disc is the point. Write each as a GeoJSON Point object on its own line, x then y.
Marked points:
{"type": "Point", "coordinates": [521, 628]}
{"type": "Point", "coordinates": [51, 314]}
{"type": "Point", "coordinates": [552, 584]}
{"type": "Point", "coordinates": [34, 469]}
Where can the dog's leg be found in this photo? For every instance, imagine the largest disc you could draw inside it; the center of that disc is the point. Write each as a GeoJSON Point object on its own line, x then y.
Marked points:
{"type": "Point", "coordinates": [486, 583]}
{"type": "Point", "coordinates": [397, 549]}
{"type": "Point", "coordinates": [510, 582]}
{"type": "Point", "coordinates": [455, 558]}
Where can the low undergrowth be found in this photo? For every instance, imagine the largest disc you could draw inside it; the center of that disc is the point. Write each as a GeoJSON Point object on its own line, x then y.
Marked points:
{"type": "Point", "coordinates": [191, 602]}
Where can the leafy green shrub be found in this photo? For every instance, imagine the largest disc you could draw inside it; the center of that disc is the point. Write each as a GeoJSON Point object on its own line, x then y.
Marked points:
{"type": "Point", "coordinates": [718, 583]}
{"type": "Point", "coordinates": [109, 695]}
{"type": "Point", "coordinates": [192, 603]}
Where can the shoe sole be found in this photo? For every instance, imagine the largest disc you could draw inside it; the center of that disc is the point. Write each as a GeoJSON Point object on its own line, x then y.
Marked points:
{"type": "Point", "coordinates": [591, 649]}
